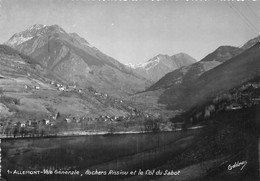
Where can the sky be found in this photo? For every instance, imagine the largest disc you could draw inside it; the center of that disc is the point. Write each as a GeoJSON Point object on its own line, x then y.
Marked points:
{"type": "Point", "coordinates": [135, 31]}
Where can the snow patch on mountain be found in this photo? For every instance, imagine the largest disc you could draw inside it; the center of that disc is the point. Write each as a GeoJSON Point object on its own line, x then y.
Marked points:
{"type": "Point", "coordinates": [158, 66]}
{"type": "Point", "coordinates": [17, 40]}
{"type": "Point", "coordinates": [36, 27]}
{"type": "Point", "coordinates": [31, 32]}
{"type": "Point", "coordinates": [146, 65]}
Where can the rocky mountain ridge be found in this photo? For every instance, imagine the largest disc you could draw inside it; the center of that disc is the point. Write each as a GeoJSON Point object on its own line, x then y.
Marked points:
{"type": "Point", "coordinates": [69, 58]}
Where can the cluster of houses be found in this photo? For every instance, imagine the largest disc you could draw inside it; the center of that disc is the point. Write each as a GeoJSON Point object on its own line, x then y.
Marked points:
{"type": "Point", "coordinates": [32, 87]}
{"type": "Point", "coordinates": [111, 100]}
{"type": "Point", "coordinates": [99, 95]}
{"type": "Point", "coordinates": [30, 124]}
{"type": "Point", "coordinates": [58, 86]}
{"type": "Point", "coordinates": [103, 118]}
{"type": "Point", "coordinates": [65, 88]}
{"type": "Point", "coordinates": [77, 121]}
{"type": "Point", "coordinates": [33, 123]}
{"type": "Point", "coordinates": [70, 120]}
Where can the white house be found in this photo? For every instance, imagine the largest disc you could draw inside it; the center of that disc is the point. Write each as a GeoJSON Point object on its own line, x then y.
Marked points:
{"type": "Point", "coordinates": [23, 124]}
{"type": "Point", "coordinates": [68, 120]}
{"type": "Point", "coordinates": [61, 88]}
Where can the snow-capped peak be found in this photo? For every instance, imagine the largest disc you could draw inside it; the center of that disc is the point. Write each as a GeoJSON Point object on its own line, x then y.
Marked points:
{"type": "Point", "coordinates": [26, 35]}
{"type": "Point", "coordinates": [157, 59]}
{"type": "Point", "coordinates": [131, 65]}
{"type": "Point", "coordinates": [31, 32]}
{"type": "Point", "coordinates": [146, 65]}
{"type": "Point", "coordinates": [36, 27]}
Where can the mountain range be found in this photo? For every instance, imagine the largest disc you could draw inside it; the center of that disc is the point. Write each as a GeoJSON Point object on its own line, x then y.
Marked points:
{"type": "Point", "coordinates": [219, 71]}
{"type": "Point", "coordinates": [187, 74]}
{"type": "Point", "coordinates": [42, 53]}
{"type": "Point", "coordinates": [155, 68]}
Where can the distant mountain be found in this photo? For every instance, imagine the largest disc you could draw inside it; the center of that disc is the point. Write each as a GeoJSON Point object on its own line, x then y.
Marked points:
{"type": "Point", "coordinates": [229, 74]}
{"type": "Point", "coordinates": [72, 60]}
{"type": "Point", "coordinates": [157, 67]}
{"type": "Point", "coordinates": [251, 43]}
{"type": "Point", "coordinates": [187, 74]}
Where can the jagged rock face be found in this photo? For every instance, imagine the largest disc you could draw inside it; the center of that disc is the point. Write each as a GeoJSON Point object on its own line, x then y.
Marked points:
{"type": "Point", "coordinates": [157, 67]}
{"type": "Point", "coordinates": [70, 58]}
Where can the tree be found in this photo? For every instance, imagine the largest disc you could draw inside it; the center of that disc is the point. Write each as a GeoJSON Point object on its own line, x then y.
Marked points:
{"type": "Point", "coordinates": [7, 130]}
{"type": "Point", "coordinates": [15, 131]}
{"type": "Point", "coordinates": [156, 126]}
{"type": "Point", "coordinates": [111, 129]}
{"type": "Point", "coordinates": [42, 132]}
{"type": "Point", "coordinates": [58, 115]}
{"type": "Point", "coordinates": [34, 131]}
{"type": "Point", "coordinates": [22, 131]}
{"type": "Point", "coordinates": [152, 125]}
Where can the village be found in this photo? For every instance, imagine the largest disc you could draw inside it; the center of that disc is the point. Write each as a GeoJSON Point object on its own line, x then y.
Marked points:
{"type": "Point", "coordinates": [60, 125]}
{"type": "Point", "coordinates": [57, 124]}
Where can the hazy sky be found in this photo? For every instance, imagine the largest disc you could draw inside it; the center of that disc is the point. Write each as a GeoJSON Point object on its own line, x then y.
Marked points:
{"type": "Point", "coordinates": [137, 31]}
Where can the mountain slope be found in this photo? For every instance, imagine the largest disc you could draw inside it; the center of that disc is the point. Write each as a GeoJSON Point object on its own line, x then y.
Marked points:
{"type": "Point", "coordinates": [231, 73]}
{"type": "Point", "coordinates": [251, 43]}
{"type": "Point", "coordinates": [15, 64]}
{"type": "Point", "coordinates": [188, 74]}
{"type": "Point", "coordinates": [71, 59]}
{"type": "Point", "coordinates": [26, 93]}
{"type": "Point", "coordinates": [160, 65]}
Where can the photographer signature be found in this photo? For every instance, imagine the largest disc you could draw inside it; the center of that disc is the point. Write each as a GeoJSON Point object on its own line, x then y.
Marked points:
{"type": "Point", "coordinates": [241, 164]}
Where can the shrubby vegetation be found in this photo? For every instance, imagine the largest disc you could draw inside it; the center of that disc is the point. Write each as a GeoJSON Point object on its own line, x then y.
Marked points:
{"type": "Point", "coordinates": [241, 97]}
{"type": "Point", "coordinates": [152, 125]}
{"type": "Point", "coordinates": [9, 100]}
{"type": "Point", "coordinates": [10, 51]}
